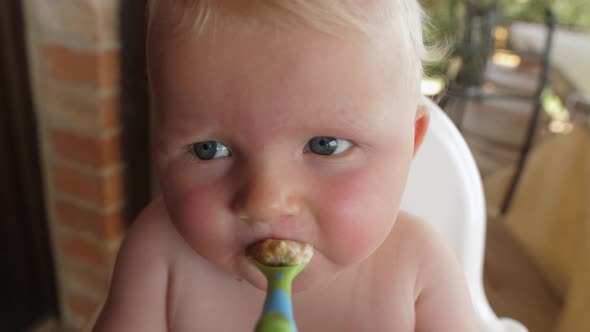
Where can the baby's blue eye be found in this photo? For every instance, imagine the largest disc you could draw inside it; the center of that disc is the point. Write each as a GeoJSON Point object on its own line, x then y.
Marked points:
{"type": "Point", "coordinates": [208, 150]}
{"type": "Point", "coordinates": [327, 146]}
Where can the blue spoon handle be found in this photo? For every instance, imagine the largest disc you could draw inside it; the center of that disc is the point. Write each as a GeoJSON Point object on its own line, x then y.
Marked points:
{"type": "Point", "coordinates": [277, 314]}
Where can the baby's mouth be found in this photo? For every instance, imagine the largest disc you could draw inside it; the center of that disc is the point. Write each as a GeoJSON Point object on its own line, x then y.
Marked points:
{"type": "Point", "coordinates": [274, 252]}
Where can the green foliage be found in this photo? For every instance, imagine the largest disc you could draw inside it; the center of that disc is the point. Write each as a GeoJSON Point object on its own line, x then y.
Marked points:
{"type": "Point", "coordinates": [446, 14]}
{"type": "Point", "coordinates": [570, 13]}
{"type": "Point", "coordinates": [447, 18]}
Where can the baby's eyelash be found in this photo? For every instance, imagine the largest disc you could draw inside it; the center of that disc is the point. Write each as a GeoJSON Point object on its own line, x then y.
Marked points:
{"type": "Point", "coordinates": [328, 146]}
{"type": "Point", "coordinates": [209, 150]}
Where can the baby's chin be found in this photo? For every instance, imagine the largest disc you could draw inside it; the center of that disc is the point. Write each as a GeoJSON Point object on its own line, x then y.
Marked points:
{"type": "Point", "coordinates": [310, 279]}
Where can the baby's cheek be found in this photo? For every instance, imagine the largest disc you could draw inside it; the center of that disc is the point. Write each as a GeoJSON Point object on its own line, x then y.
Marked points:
{"type": "Point", "coordinates": [200, 220]}
{"type": "Point", "coordinates": [195, 209]}
{"type": "Point", "coordinates": [357, 215]}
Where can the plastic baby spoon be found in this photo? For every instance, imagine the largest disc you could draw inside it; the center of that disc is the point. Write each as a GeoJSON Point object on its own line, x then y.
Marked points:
{"type": "Point", "coordinates": [277, 314]}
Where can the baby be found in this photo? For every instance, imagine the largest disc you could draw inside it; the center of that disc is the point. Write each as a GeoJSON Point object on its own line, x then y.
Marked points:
{"type": "Point", "coordinates": [294, 120]}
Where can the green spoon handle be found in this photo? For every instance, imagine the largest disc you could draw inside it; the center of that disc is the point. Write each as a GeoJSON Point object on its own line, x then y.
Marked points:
{"type": "Point", "coordinates": [277, 314]}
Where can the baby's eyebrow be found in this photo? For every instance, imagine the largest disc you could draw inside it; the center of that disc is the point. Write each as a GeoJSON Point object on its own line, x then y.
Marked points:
{"type": "Point", "coordinates": [351, 117]}
{"type": "Point", "coordinates": [343, 121]}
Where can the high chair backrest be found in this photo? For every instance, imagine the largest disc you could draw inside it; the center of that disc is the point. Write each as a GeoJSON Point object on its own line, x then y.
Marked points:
{"type": "Point", "coordinates": [444, 188]}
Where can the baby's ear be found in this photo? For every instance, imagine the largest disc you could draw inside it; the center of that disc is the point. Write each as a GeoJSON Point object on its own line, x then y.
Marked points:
{"type": "Point", "coordinates": [420, 125]}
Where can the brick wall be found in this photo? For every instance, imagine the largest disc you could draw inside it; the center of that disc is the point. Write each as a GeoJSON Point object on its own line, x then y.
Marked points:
{"type": "Point", "coordinates": [74, 57]}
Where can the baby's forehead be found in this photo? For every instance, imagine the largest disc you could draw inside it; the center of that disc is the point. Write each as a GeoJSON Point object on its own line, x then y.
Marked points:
{"type": "Point", "coordinates": [284, 57]}
{"type": "Point", "coordinates": [208, 24]}
{"type": "Point", "coordinates": [286, 78]}
{"type": "Point", "coordinates": [377, 20]}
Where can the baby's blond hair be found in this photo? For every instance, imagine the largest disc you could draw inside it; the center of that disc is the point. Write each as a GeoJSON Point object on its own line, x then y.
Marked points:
{"type": "Point", "coordinates": [373, 18]}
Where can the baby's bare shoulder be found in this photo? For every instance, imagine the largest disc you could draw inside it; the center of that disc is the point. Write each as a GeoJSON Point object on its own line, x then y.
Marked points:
{"type": "Point", "coordinates": [151, 241]}
{"type": "Point", "coordinates": [441, 297]}
{"type": "Point", "coordinates": [416, 234]}
{"type": "Point", "coordinates": [412, 250]}
{"type": "Point", "coordinates": [420, 245]}
{"type": "Point", "coordinates": [137, 297]}
{"type": "Point", "coordinates": [402, 255]}
{"type": "Point", "coordinates": [154, 232]}
{"type": "Point", "coordinates": [412, 239]}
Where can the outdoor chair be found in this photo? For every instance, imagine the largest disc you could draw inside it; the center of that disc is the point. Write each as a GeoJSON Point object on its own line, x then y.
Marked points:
{"type": "Point", "coordinates": [475, 51]}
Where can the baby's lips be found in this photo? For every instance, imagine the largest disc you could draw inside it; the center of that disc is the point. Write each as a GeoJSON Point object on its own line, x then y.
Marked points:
{"type": "Point", "coordinates": [274, 252]}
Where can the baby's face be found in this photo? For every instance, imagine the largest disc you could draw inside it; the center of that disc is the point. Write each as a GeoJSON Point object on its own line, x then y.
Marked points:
{"type": "Point", "coordinates": [281, 134]}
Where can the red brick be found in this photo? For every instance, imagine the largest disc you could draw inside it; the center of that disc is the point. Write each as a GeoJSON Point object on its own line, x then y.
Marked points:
{"type": "Point", "coordinates": [81, 107]}
{"type": "Point", "coordinates": [79, 22]}
{"type": "Point", "coordinates": [83, 250]}
{"type": "Point", "coordinates": [102, 226]}
{"type": "Point", "coordinates": [87, 150]}
{"type": "Point", "coordinates": [87, 280]}
{"type": "Point", "coordinates": [105, 191]}
{"type": "Point", "coordinates": [109, 117]}
{"type": "Point", "coordinates": [81, 305]}
{"type": "Point", "coordinates": [82, 66]}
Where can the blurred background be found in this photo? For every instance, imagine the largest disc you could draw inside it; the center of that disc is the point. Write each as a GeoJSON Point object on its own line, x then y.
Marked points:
{"type": "Point", "coordinates": [75, 169]}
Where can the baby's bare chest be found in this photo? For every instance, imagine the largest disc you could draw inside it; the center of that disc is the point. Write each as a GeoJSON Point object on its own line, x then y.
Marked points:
{"type": "Point", "coordinates": [216, 317]}
{"type": "Point", "coordinates": [218, 308]}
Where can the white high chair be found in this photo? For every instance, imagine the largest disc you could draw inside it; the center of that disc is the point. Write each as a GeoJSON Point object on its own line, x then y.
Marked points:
{"type": "Point", "coordinates": [444, 188]}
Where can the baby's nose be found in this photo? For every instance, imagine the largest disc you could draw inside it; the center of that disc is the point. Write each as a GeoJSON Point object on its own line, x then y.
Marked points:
{"type": "Point", "coordinates": [267, 196]}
